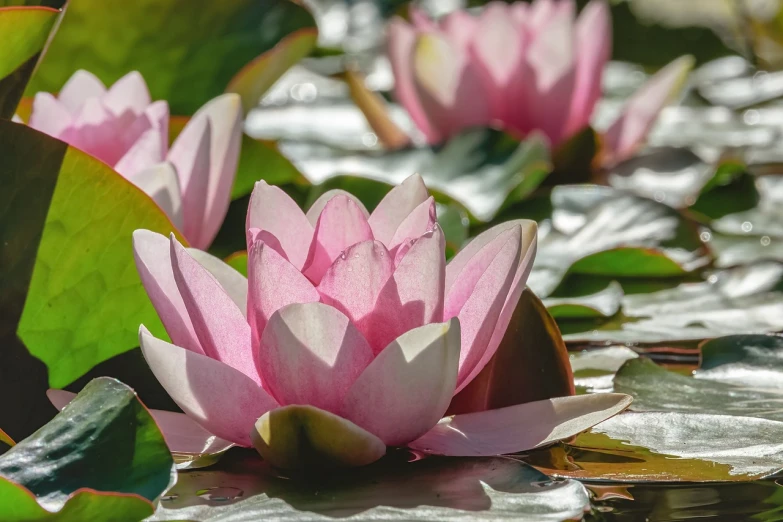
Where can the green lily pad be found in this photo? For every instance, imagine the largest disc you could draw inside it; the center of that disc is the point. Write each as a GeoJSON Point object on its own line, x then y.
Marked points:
{"type": "Point", "coordinates": [604, 303]}
{"type": "Point", "coordinates": [746, 360]}
{"type": "Point", "coordinates": [482, 169]}
{"type": "Point", "coordinates": [594, 369]}
{"type": "Point", "coordinates": [242, 487]}
{"type": "Point", "coordinates": [67, 220]}
{"type": "Point", "coordinates": [187, 50]}
{"type": "Point", "coordinates": [603, 231]}
{"type": "Point", "coordinates": [25, 32]}
{"type": "Point", "coordinates": [102, 453]}
{"type": "Point", "coordinates": [746, 299]}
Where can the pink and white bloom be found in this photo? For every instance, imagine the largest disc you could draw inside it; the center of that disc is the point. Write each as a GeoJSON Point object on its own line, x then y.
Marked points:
{"type": "Point", "coordinates": [124, 128]}
{"type": "Point", "coordinates": [523, 67]}
{"type": "Point", "coordinates": [351, 333]}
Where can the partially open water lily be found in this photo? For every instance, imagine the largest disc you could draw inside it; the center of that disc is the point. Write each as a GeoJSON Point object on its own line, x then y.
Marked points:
{"type": "Point", "coordinates": [523, 67]}
{"type": "Point", "coordinates": [351, 334]}
{"type": "Point", "coordinates": [123, 127]}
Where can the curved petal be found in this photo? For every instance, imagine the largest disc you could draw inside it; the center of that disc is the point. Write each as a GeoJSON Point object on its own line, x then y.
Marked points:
{"type": "Point", "coordinates": [232, 282]}
{"type": "Point", "coordinates": [460, 26]}
{"type": "Point", "coordinates": [630, 129]}
{"type": "Point", "coordinates": [400, 42]}
{"type": "Point", "coordinates": [225, 117]}
{"type": "Point", "coordinates": [341, 224]}
{"type": "Point", "coordinates": [81, 86]}
{"type": "Point", "coordinates": [302, 436]}
{"type": "Point", "coordinates": [478, 297]}
{"type": "Point", "coordinates": [272, 210]}
{"type": "Point", "coordinates": [220, 325]}
{"type": "Point", "coordinates": [420, 221]}
{"type": "Point", "coordinates": [593, 49]}
{"type": "Point", "coordinates": [98, 132]}
{"type": "Point", "coordinates": [413, 295]}
{"type": "Point", "coordinates": [49, 115]}
{"type": "Point", "coordinates": [498, 43]}
{"type": "Point", "coordinates": [222, 400]}
{"type": "Point", "coordinates": [420, 19]}
{"type": "Point", "coordinates": [160, 182]}
{"type": "Point", "coordinates": [157, 114]}
{"type": "Point", "coordinates": [190, 155]}
{"type": "Point", "coordinates": [129, 93]}
{"type": "Point", "coordinates": [152, 253]}
{"type": "Point", "coordinates": [395, 206]}
{"type": "Point", "coordinates": [450, 84]}
{"type": "Point", "coordinates": [273, 283]}
{"type": "Point", "coordinates": [145, 153]}
{"type": "Point", "coordinates": [353, 282]}
{"type": "Point", "coordinates": [521, 427]}
{"type": "Point", "coordinates": [318, 205]}
{"type": "Point", "coordinates": [407, 388]}
{"type": "Point", "coordinates": [182, 434]}
{"type": "Point", "coordinates": [311, 354]}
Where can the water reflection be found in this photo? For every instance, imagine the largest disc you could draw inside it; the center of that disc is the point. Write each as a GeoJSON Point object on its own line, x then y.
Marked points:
{"type": "Point", "coordinates": [761, 501]}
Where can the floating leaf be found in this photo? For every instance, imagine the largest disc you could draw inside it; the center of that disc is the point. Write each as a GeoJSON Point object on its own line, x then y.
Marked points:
{"type": "Point", "coordinates": [85, 300]}
{"type": "Point", "coordinates": [747, 299]}
{"type": "Point", "coordinates": [242, 487]}
{"type": "Point", "coordinates": [602, 231]}
{"type": "Point", "coordinates": [604, 303]}
{"type": "Point", "coordinates": [750, 360]}
{"type": "Point", "coordinates": [25, 32]}
{"type": "Point", "coordinates": [594, 369]}
{"type": "Point", "coordinates": [100, 454]}
{"type": "Point", "coordinates": [187, 50]}
{"type": "Point", "coordinates": [481, 169]}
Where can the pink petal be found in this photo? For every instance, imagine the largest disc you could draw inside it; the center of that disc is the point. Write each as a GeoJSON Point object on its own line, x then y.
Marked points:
{"type": "Point", "coordinates": [231, 281]}
{"type": "Point", "coordinates": [450, 84]}
{"type": "Point", "coordinates": [152, 253]}
{"type": "Point", "coordinates": [630, 129]}
{"type": "Point", "coordinates": [182, 434]}
{"type": "Point", "coordinates": [498, 43]}
{"type": "Point", "coordinates": [49, 115]}
{"type": "Point", "coordinates": [478, 297]}
{"type": "Point", "coordinates": [407, 388]}
{"type": "Point", "coordinates": [353, 282]}
{"type": "Point", "coordinates": [400, 42]}
{"type": "Point", "coordinates": [80, 87]}
{"type": "Point", "coordinates": [460, 27]}
{"type": "Point", "coordinates": [129, 93]}
{"type": "Point", "coordinates": [413, 296]}
{"type": "Point", "coordinates": [145, 153]}
{"type": "Point", "coordinates": [157, 114]}
{"type": "Point", "coordinates": [222, 400]}
{"type": "Point", "coordinates": [160, 182]}
{"type": "Point", "coordinates": [272, 210]}
{"type": "Point", "coordinates": [219, 323]}
{"type": "Point", "coordinates": [318, 206]}
{"type": "Point", "coordinates": [521, 427]}
{"type": "Point", "coordinates": [311, 354]}
{"type": "Point", "coordinates": [190, 155]}
{"type": "Point", "coordinates": [520, 11]}
{"type": "Point", "coordinates": [340, 225]}
{"type": "Point", "coordinates": [417, 223]}
{"type": "Point", "coordinates": [273, 283]}
{"type": "Point", "coordinates": [420, 19]}
{"type": "Point", "coordinates": [396, 206]}
{"type": "Point", "coordinates": [550, 75]}
{"type": "Point", "coordinates": [98, 132]}
{"type": "Point", "coordinates": [593, 48]}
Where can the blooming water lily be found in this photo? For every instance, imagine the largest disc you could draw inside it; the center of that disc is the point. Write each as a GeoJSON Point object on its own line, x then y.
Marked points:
{"type": "Point", "coordinates": [351, 334]}
{"type": "Point", "coordinates": [526, 67]}
{"type": "Point", "coordinates": [122, 127]}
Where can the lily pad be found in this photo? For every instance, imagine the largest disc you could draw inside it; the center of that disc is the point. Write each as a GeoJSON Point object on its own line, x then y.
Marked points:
{"type": "Point", "coordinates": [604, 303]}
{"type": "Point", "coordinates": [186, 60]}
{"type": "Point", "coordinates": [102, 453]}
{"type": "Point", "coordinates": [594, 369]}
{"type": "Point", "coordinates": [603, 231]}
{"type": "Point", "coordinates": [746, 299]}
{"type": "Point", "coordinates": [242, 487]}
{"type": "Point", "coordinates": [746, 360]}
{"type": "Point", "coordinates": [84, 301]}
{"type": "Point", "coordinates": [482, 169]}
{"type": "Point", "coordinates": [25, 32]}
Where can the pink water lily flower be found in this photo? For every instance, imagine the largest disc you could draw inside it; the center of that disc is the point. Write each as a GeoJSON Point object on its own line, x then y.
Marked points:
{"type": "Point", "coordinates": [124, 128]}
{"type": "Point", "coordinates": [523, 67]}
{"type": "Point", "coordinates": [351, 334]}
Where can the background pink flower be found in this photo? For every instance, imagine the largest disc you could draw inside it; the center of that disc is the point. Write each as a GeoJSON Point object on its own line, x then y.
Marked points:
{"type": "Point", "coordinates": [122, 127]}
{"type": "Point", "coordinates": [522, 66]}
